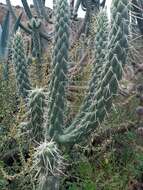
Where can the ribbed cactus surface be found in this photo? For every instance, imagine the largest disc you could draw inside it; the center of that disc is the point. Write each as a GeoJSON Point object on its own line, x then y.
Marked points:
{"type": "Point", "coordinates": [36, 105]}
{"type": "Point", "coordinates": [100, 60]}
{"type": "Point", "coordinates": [58, 80]}
{"type": "Point", "coordinates": [20, 66]}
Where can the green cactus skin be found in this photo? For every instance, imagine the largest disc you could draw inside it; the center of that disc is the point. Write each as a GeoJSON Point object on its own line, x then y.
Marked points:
{"type": "Point", "coordinates": [58, 80]}
{"type": "Point", "coordinates": [111, 75]}
{"type": "Point", "coordinates": [101, 42]}
{"type": "Point", "coordinates": [19, 62]}
{"type": "Point", "coordinates": [36, 105]}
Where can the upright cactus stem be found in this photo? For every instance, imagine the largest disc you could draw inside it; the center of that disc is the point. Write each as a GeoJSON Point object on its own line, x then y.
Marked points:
{"type": "Point", "coordinates": [37, 104]}
{"type": "Point", "coordinates": [35, 24]}
{"type": "Point", "coordinates": [20, 66]}
{"type": "Point", "coordinates": [100, 60]}
{"type": "Point", "coordinates": [56, 105]}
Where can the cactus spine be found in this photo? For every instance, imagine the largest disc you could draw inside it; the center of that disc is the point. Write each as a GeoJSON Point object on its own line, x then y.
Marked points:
{"type": "Point", "coordinates": [47, 160]}
{"type": "Point", "coordinates": [19, 62]}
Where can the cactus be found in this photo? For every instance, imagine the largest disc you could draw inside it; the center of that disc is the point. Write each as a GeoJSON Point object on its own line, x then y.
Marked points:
{"type": "Point", "coordinates": [59, 75]}
{"type": "Point", "coordinates": [109, 81]}
{"type": "Point", "coordinates": [137, 9]}
{"type": "Point", "coordinates": [35, 24]}
{"type": "Point", "coordinates": [26, 8]}
{"type": "Point", "coordinates": [16, 25]}
{"type": "Point", "coordinates": [36, 105]}
{"type": "Point", "coordinates": [101, 42]}
{"type": "Point", "coordinates": [37, 8]}
{"type": "Point", "coordinates": [19, 62]}
{"type": "Point", "coordinates": [27, 30]}
{"type": "Point", "coordinates": [4, 40]}
{"type": "Point", "coordinates": [42, 9]}
{"type": "Point", "coordinates": [46, 161]}
{"type": "Point", "coordinates": [110, 59]}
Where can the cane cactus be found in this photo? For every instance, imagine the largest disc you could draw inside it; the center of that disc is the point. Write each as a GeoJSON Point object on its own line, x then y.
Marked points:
{"type": "Point", "coordinates": [34, 126]}
{"type": "Point", "coordinates": [110, 59]}
{"type": "Point", "coordinates": [59, 76]}
{"type": "Point", "coordinates": [107, 85]}
{"type": "Point", "coordinates": [101, 41]}
{"type": "Point", "coordinates": [36, 105]}
{"type": "Point", "coordinates": [20, 65]}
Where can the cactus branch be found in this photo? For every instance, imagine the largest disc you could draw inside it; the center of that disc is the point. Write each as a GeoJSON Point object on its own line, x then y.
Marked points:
{"type": "Point", "coordinates": [59, 76]}
{"type": "Point", "coordinates": [26, 8]}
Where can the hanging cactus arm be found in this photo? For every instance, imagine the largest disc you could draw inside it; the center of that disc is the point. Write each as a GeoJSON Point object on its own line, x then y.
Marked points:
{"type": "Point", "coordinates": [58, 80]}
{"type": "Point", "coordinates": [26, 8]}
{"type": "Point", "coordinates": [110, 77]}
